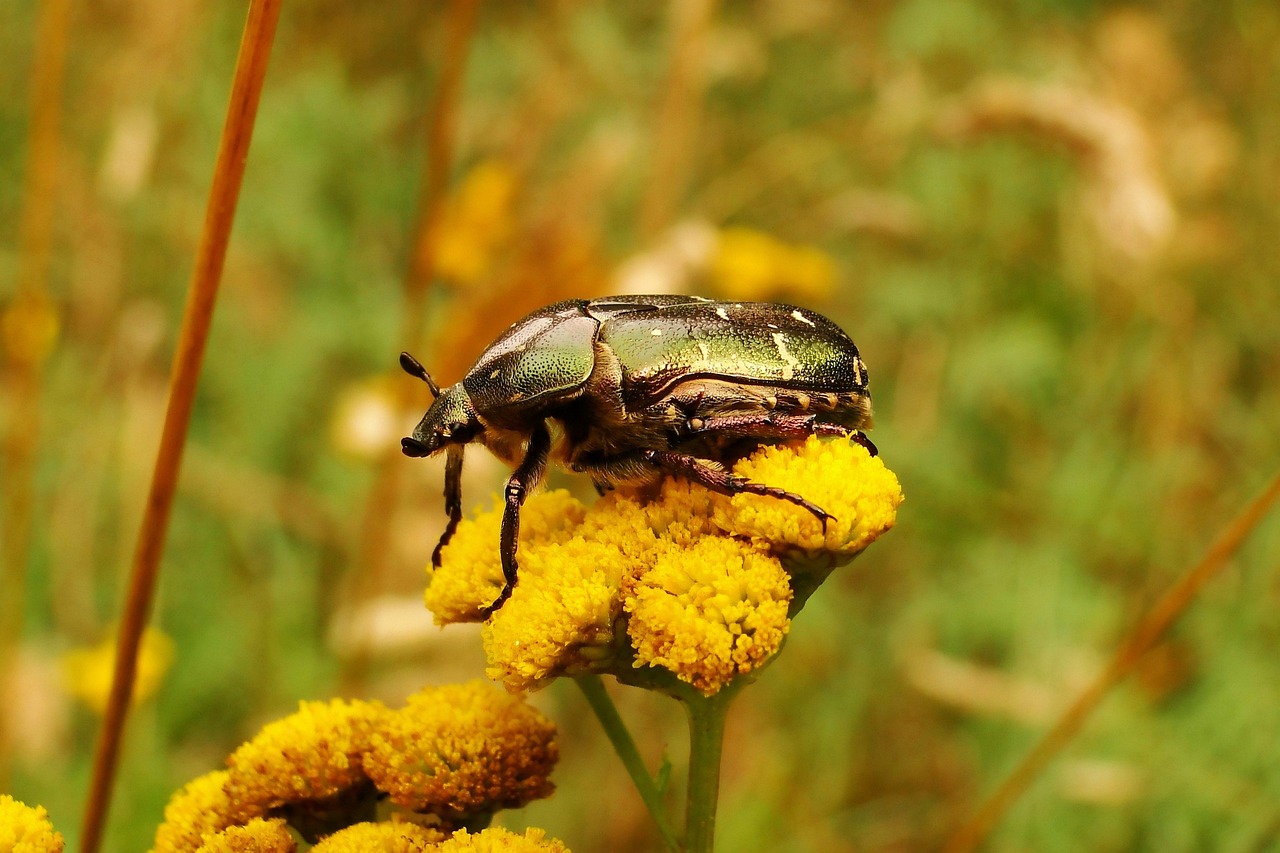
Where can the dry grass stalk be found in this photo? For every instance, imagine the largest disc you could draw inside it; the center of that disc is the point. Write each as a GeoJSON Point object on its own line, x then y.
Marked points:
{"type": "Point", "coordinates": [375, 528]}
{"type": "Point", "coordinates": [1150, 628]}
{"type": "Point", "coordinates": [25, 347]}
{"type": "Point", "coordinates": [237, 131]}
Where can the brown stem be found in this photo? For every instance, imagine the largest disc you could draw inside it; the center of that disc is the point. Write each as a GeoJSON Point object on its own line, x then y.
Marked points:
{"type": "Point", "coordinates": [237, 130]}
{"type": "Point", "coordinates": [25, 355]}
{"type": "Point", "coordinates": [1145, 634]}
{"type": "Point", "coordinates": [375, 528]}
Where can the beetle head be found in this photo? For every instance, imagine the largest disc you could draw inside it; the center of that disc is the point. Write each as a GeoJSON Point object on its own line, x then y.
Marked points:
{"type": "Point", "coordinates": [451, 420]}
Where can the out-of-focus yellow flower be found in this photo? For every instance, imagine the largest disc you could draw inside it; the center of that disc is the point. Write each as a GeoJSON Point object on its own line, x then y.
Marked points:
{"type": "Point", "coordinates": [314, 754]}
{"type": "Point", "coordinates": [470, 573]}
{"type": "Point", "coordinates": [753, 266]}
{"type": "Point", "coordinates": [256, 836]}
{"type": "Point", "coordinates": [366, 420]}
{"type": "Point", "coordinates": [690, 581]}
{"type": "Point", "coordinates": [477, 222]}
{"type": "Point", "coordinates": [29, 329]}
{"type": "Point", "coordinates": [709, 612]}
{"type": "Point", "coordinates": [26, 829]}
{"type": "Point", "coordinates": [498, 840]}
{"type": "Point", "coordinates": [463, 749]}
{"type": "Point", "coordinates": [383, 837]}
{"type": "Point", "coordinates": [199, 809]}
{"type": "Point", "coordinates": [87, 671]}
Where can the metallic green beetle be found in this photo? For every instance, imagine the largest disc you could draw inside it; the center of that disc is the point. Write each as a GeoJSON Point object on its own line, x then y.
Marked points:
{"type": "Point", "coordinates": [638, 386]}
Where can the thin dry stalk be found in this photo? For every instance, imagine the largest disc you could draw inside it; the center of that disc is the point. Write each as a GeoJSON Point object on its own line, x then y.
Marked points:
{"type": "Point", "coordinates": [228, 174]}
{"type": "Point", "coordinates": [1154, 623]}
{"type": "Point", "coordinates": [679, 114]}
{"type": "Point", "coordinates": [375, 528]}
{"type": "Point", "coordinates": [25, 347]}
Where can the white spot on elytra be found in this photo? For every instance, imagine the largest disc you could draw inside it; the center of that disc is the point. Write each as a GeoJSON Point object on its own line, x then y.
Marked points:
{"type": "Point", "coordinates": [657, 333]}
{"type": "Point", "coordinates": [772, 325]}
{"type": "Point", "coordinates": [702, 348]}
{"type": "Point", "coordinates": [722, 314]}
{"type": "Point", "coordinates": [494, 374]}
{"type": "Point", "coordinates": [801, 317]}
{"type": "Point", "coordinates": [789, 370]}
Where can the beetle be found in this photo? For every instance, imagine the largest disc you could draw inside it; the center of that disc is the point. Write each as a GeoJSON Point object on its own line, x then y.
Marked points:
{"type": "Point", "coordinates": [627, 388]}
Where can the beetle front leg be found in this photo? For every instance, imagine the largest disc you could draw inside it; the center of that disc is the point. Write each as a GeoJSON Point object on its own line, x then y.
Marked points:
{"type": "Point", "coordinates": [522, 480]}
{"type": "Point", "coordinates": [719, 480]}
{"type": "Point", "coordinates": [452, 500]}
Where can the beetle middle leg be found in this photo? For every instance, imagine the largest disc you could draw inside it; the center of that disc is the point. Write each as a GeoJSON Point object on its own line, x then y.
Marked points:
{"type": "Point", "coordinates": [776, 425]}
{"type": "Point", "coordinates": [522, 480]}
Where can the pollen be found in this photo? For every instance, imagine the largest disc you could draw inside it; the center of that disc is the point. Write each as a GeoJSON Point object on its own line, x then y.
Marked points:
{"type": "Point", "coordinates": [383, 837]}
{"type": "Point", "coordinates": [499, 840]}
{"type": "Point", "coordinates": [26, 829]}
{"type": "Point", "coordinates": [256, 836]}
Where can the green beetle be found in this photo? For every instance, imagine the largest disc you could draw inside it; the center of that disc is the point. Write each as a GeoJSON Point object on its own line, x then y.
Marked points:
{"type": "Point", "coordinates": [638, 386]}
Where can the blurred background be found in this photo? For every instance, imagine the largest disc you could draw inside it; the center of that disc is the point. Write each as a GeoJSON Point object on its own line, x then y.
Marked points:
{"type": "Point", "coordinates": [1052, 226]}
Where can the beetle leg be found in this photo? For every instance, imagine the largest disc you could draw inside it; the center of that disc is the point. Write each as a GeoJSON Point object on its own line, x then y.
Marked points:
{"type": "Point", "coordinates": [719, 480]}
{"type": "Point", "coordinates": [776, 425]}
{"type": "Point", "coordinates": [522, 480]}
{"type": "Point", "coordinates": [452, 500]}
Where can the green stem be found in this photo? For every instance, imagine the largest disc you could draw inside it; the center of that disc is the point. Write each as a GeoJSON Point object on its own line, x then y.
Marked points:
{"type": "Point", "coordinates": [593, 688]}
{"type": "Point", "coordinates": [706, 738]}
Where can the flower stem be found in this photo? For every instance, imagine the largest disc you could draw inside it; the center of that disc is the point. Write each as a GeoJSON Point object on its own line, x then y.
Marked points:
{"type": "Point", "coordinates": [616, 730]}
{"type": "Point", "coordinates": [706, 738]}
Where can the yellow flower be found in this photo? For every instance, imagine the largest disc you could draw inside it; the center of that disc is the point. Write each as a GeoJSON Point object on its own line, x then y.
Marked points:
{"type": "Point", "coordinates": [840, 476]}
{"type": "Point", "coordinates": [314, 754]}
{"type": "Point", "coordinates": [29, 328]}
{"type": "Point", "coordinates": [87, 671]}
{"type": "Point", "coordinates": [24, 829]}
{"type": "Point", "coordinates": [470, 573]}
{"type": "Point", "coordinates": [256, 836]}
{"type": "Point", "coordinates": [200, 808]}
{"type": "Point", "coordinates": [751, 265]}
{"type": "Point", "coordinates": [476, 223]}
{"type": "Point", "coordinates": [463, 749]}
{"type": "Point", "coordinates": [498, 840]}
{"type": "Point", "coordinates": [709, 612]}
{"type": "Point", "coordinates": [681, 578]}
{"type": "Point", "coordinates": [385, 837]}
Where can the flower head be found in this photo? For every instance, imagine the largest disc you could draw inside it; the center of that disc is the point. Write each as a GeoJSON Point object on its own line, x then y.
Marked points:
{"type": "Point", "coordinates": [498, 840]}
{"type": "Point", "coordinates": [200, 808]}
{"type": "Point", "coordinates": [87, 671]}
{"type": "Point", "coordinates": [679, 578]}
{"type": "Point", "coordinates": [463, 749]}
{"type": "Point", "coordinates": [24, 829]}
{"type": "Point", "coordinates": [256, 836]}
{"type": "Point", "coordinates": [477, 222]}
{"type": "Point", "coordinates": [384, 837]}
{"type": "Point", "coordinates": [311, 755]}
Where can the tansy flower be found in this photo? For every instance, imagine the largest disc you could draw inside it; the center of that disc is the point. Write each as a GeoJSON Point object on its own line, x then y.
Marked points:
{"type": "Point", "coordinates": [200, 808]}
{"type": "Point", "coordinates": [310, 756]}
{"type": "Point", "coordinates": [498, 840]}
{"type": "Point", "coordinates": [750, 265]}
{"type": "Point", "coordinates": [470, 573]}
{"type": "Point", "coordinates": [24, 829]}
{"type": "Point", "coordinates": [87, 671]}
{"type": "Point", "coordinates": [687, 580]}
{"type": "Point", "coordinates": [384, 837]}
{"type": "Point", "coordinates": [463, 749]}
{"type": "Point", "coordinates": [710, 611]}
{"type": "Point", "coordinates": [256, 836]}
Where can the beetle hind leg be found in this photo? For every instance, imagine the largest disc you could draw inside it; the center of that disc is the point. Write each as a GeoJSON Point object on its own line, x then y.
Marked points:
{"type": "Point", "coordinates": [719, 480]}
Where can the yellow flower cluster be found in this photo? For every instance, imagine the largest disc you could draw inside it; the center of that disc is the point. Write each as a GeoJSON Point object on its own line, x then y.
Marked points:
{"type": "Point", "coordinates": [751, 265]}
{"type": "Point", "coordinates": [384, 837]}
{"type": "Point", "coordinates": [498, 840]}
{"type": "Point", "coordinates": [24, 829]}
{"type": "Point", "coordinates": [463, 749]}
{"type": "Point", "coordinates": [452, 752]}
{"type": "Point", "coordinates": [87, 672]}
{"type": "Point", "coordinates": [691, 582]}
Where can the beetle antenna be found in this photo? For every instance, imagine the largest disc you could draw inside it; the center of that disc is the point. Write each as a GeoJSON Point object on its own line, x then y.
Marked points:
{"type": "Point", "coordinates": [413, 367]}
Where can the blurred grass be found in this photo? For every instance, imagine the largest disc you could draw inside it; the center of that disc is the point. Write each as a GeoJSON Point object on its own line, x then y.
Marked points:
{"type": "Point", "coordinates": [1076, 390]}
